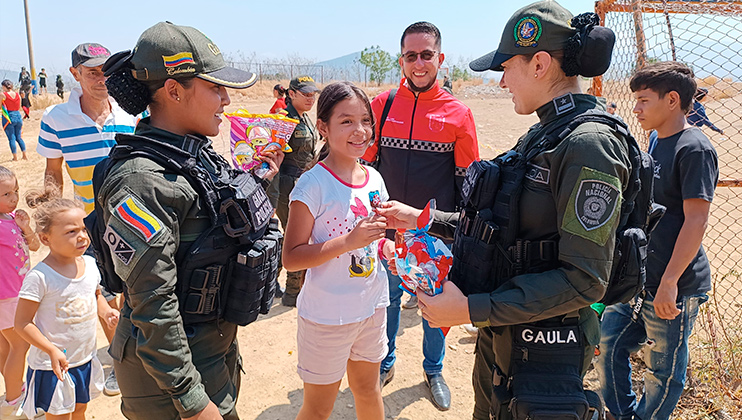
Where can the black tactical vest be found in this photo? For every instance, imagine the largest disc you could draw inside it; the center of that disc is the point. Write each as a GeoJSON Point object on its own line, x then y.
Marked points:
{"type": "Point", "coordinates": [229, 272]}
{"type": "Point", "coordinates": [487, 250]}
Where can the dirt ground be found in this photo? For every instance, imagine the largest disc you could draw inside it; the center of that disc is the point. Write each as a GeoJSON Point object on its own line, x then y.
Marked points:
{"type": "Point", "coordinates": [271, 389]}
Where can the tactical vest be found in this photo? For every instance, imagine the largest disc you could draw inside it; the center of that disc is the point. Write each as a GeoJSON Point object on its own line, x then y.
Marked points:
{"type": "Point", "coordinates": [487, 251]}
{"type": "Point", "coordinates": [229, 272]}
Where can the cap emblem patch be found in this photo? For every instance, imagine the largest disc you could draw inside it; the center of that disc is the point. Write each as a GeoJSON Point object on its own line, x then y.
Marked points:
{"type": "Point", "coordinates": [527, 32]}
{"type": "Point", "coordinates": [214, 49]}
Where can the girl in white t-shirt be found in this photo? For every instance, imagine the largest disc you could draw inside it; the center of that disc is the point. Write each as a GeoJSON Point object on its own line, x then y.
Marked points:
{"type": "Point", "coordinates": [57, 313]}
{"type": "Point", "coordinates": [334, 233]}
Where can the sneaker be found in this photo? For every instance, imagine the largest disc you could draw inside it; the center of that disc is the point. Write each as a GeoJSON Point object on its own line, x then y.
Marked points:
{"type": "Point", "coordinates": [411, 303]}
{"type": "Point", "coordinates": [111, 387]}
{"type": "Point", "coordinates": [12, 412]}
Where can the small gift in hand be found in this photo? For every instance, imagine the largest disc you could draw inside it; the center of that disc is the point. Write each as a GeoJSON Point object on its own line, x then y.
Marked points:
{"type": "Point", "coordinates": [423, 262]}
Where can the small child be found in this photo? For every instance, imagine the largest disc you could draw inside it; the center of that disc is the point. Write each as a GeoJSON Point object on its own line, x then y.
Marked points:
{"type": "Point", "coordinates": [16, 238]}
{"type": "Point", "coordinates": [334, 232]}
{"type": "Point", "coordinates": [56, 313]}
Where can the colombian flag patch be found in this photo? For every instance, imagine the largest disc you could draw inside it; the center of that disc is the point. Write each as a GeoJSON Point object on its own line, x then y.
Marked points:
{"type": "Point", "coordinates": [178, 59]}
{"type": "Point", "coordinates": [138, 217]}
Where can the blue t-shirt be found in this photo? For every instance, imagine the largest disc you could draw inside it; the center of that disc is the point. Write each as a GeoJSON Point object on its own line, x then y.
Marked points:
{"type": "Point", "coordinates": [686, 167]}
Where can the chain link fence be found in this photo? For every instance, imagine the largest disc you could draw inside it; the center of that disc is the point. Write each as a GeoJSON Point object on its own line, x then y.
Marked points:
{"type": "Point", "coordinates": [705, 35]}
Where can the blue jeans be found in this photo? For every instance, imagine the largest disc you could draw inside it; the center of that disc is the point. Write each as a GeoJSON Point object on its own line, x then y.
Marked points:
{"type": "Point", "coordinates": [666, 356]}
{"type": "Point", "coordinates": [13, 131]}
{"type": "Point", "coordinates": [434, 344]}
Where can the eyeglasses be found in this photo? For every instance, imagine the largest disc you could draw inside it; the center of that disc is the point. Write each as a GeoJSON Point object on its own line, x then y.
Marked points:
{"type": "Point", "coordinates": [312, 95]}
{"type": "Point", "coordinates": [426, 55]}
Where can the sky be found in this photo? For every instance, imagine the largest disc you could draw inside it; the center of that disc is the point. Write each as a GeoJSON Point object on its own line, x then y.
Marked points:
{"type": "Point", "coordinates": [317, 30]}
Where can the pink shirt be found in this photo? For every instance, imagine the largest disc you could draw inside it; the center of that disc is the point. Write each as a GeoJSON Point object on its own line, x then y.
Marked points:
{"type": "Point", "coordinates": [14, 260]}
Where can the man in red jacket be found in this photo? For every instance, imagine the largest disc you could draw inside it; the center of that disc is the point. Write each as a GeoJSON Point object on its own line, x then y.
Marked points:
{"type": "Point", "coordinates": [427, 141]}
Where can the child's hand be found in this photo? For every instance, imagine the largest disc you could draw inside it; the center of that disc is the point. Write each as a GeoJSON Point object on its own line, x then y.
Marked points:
{"type": "Point", "coordinates": [111, 317]}
{"type": "Point", "coordinates": [367, 230]}
{"type": "Point", "coordinates": [388, 250]}
{"type": "Point", "coordinates": [23, 221]}
{"type": "Point", "coordinates": [59, 363]}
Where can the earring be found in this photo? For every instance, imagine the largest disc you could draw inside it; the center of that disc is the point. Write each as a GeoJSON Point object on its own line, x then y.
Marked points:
{"type": "Point", "coordinates": [177, 99]}
{"type": "Point", "coordinates": [536, 76]}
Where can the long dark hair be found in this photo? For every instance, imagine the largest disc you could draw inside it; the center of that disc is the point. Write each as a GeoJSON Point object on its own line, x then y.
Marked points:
{"type": "Point", "coordinates": [280, 89]}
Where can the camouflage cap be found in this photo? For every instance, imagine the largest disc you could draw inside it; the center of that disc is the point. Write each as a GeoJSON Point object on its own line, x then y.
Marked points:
{"type": "Point", "coordinates": [167, 51]}
{"type": "Point", "coordinates": [541, 26]}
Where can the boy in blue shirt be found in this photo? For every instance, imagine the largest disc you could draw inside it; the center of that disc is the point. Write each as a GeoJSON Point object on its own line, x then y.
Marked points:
{"type": "Point", "coordinates": [678, 272]}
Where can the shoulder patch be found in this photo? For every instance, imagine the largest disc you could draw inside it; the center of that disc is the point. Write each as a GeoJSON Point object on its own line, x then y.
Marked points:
{"type": "Point", "coordinates": [118, 245]}
{"type": "Point", "coordinates": [138, 217]}
{"type": "Point", "coordinates": [593, 207]}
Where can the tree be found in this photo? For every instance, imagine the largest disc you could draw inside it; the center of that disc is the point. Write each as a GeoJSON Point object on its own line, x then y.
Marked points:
{"type": "Point", "coordinates": [378, 62]}
{"type": "Point", "coordinates": [460, 73]}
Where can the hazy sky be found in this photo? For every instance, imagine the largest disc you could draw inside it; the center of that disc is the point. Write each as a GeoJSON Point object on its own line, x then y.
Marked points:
{"type": "Point", "coordinates": [318, 30]}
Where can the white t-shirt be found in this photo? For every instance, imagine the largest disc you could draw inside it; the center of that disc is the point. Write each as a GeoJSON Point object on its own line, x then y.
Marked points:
{"type": "Point", "coordinates": [67, 314]}
{"type": "Point", "coordinates": [350, 287]}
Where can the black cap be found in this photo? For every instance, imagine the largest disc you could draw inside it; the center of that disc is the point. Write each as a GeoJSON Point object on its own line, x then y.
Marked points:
{"type": "Point", "coordinates": [90, 55]}
{"type": "Point", "coordinates": [304, 84]}
{"type": "Point", "coordinates": [167, 51]}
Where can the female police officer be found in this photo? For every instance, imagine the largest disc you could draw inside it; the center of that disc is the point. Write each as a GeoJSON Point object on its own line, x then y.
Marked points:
{"type": "Point", "coordinates": [544, 241]}
{"type": "Point", "coordinates": [177, 219]}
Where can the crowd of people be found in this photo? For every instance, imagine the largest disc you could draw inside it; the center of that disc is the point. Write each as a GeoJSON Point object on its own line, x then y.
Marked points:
{"type": "Point", "coordinates": [180, 232]}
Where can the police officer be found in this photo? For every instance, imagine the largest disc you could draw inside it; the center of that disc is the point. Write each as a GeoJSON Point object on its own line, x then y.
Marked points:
{"type": "Point", "coordinates": [537, 332]}
{"type": "Point", "coordinates": [302, 95]}
{"type": "Point", "coordinates": [175, 350]}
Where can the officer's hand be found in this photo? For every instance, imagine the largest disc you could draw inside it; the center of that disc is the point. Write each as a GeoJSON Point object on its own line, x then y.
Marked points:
{"type": "Point", "coordinates": [274, 160]}
{"type": "Point", "coordinates": [211, 412]}
{"type": "Point", "coordinates": [446, 309]}
{"type": "Point", "coordinates": [366, 231]}
{"type": "Point", "coordinates": [398, 215]}
{"type": "Point", "coordinates": [664, 301]}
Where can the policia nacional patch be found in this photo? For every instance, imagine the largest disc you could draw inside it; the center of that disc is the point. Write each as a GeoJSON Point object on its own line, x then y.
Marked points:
{"type": "Point", "coordinates": [594, 206]}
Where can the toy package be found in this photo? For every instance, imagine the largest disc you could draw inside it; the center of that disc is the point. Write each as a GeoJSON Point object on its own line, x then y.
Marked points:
{"type": "Point", "coordinates": [423, 262]}
{"type": "Point", "coordinates": [254, 135]}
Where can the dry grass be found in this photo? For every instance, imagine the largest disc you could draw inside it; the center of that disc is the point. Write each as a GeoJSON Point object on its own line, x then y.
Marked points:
{"type": "Point", "coordinates": [44, 100]}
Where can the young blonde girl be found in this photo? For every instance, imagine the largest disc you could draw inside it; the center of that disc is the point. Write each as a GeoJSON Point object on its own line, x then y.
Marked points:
{"type": "Point", "coordinates": [16, 238]}
{"type": "Point", "coordinates": [57, 310]}
{"type": "Point", "coordinates": [334, 233]}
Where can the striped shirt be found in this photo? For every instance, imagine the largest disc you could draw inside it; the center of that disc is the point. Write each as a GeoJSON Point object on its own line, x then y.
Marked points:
{"type": "Point", "coordinates": [66, 132]}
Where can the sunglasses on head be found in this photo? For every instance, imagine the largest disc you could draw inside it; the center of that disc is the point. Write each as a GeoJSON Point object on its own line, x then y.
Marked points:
{"type": "Point", "coordinates": [426, 55]}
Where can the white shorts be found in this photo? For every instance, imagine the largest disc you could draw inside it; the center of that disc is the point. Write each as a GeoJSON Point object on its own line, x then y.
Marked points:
{"type": "Point", "coordinates": [7, 312]}
{"type": "Point", "coordinates": [324, 350]}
